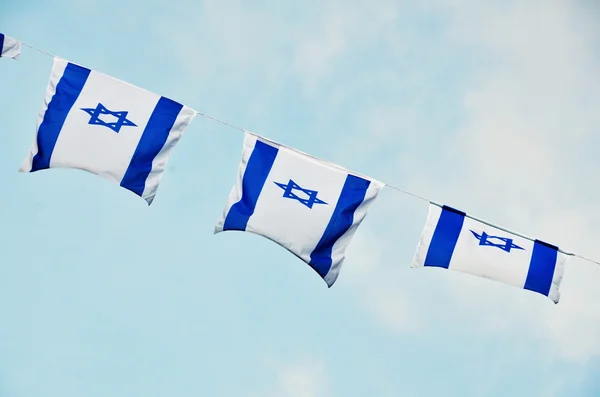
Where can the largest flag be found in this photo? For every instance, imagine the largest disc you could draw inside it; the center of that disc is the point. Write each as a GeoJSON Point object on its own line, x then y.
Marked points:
{"type": "Point", "coordinates": [310, 207]}
{"type": "Point", "coordinates": [96, 123]}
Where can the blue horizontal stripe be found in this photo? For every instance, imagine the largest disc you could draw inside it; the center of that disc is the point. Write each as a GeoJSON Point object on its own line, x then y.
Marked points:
{"type": "Point", "coordinates": [68, 90]}
{"type": "Point", "coordinates": [352, 195]}
{"type": "Point", "coordinates": [541, 267]}
{"type": "Point", "coordinates": [444, 238]}
{"type": "Point", "coordinates": [258, 168]}
{"type": "Point", "coordinates": [153, 139]}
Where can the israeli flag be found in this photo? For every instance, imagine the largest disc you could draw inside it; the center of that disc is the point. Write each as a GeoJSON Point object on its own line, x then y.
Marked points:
{"type": "Point", "coordinates": [9, 47]}
{"type": "Point", "coordinates": [310, 207]}
{"type": "Point", "coordinates": [96, 123]}
{"type": "Point", "coordinates": [453, 240]}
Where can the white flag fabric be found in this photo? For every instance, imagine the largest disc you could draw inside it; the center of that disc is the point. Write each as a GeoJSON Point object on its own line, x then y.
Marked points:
{"type": "Point", "coordinates": [310, 207]}
{"type": "Point", "coordinates": [94, 122]}
{"type": "Point", "coordinates": [453, 240]}
{"type": "Point", "coordinates": [9, 47]}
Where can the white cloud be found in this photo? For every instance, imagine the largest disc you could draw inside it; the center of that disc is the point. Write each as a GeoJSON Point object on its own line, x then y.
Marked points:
{"type": "Point", "coordinates": [522, 154]}
{"type": "Point", "coordinates": [303, 378]}
{"type": "Point", "coordinates": [530, 115]}
{"type": "Point", "coordinates": [337, 30]}
{"type": "Point", "coordinates": [307, 42]}
{"type": "Point", "coordinates": [375, 282]}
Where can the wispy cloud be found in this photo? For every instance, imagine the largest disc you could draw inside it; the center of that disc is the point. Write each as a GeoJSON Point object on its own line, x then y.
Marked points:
{"type": "Point", "coordinates": [529, 122]}
{"type": "Point", "coordinates": [373, 277]}
{"type": "Point", "coordinates": [519, 151]}
{"type": "Point", "coordinates": [302, 378]}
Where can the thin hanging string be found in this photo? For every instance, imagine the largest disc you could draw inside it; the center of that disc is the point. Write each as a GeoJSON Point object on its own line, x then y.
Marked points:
{"type": "Point", "coordinates": [406, 192]}
{"type": "Point", "coordinates": [410, 194]}
{"type": "Point", "coordinates": [38, 50]}
{"type": "Point", "coordinates": [219, 121]}
{"type": "Point", "coordinates": [296, 150]}
{"type": "Point", "coordinates": [585, 259]}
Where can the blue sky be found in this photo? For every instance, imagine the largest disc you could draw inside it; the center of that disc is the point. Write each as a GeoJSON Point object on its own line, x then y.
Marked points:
{"type": "Point", "coordinates": [491, 108]}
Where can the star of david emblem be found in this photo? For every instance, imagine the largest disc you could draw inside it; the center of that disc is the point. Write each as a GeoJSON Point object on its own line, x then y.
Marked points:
{"type": "Point", "coordinates": [99, 110]}
{"type": "Point", "coordinates": [288, 192]}
{"type": "Point", "coordinates": [505, 243]}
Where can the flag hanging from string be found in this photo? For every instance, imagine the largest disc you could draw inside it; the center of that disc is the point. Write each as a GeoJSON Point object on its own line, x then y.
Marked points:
{"type": "Point", "coordinates": [9, 47]}
{"type": "Point", "coordinates": [94, 122]}
{"type": "Point", "coordinates": [82, 105]}
{"type": "Point", "coordinates": [453, 240]}
{"type": "Point", "coordinates": [310, 207]}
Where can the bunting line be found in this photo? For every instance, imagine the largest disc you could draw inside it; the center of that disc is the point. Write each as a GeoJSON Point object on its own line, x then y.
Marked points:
{"type": "Point", "coordinates": [406, 192]}
{"type": "Point", "coordinates": [42, 51]}
{"type": "Point", "coordinates": [309, 155]}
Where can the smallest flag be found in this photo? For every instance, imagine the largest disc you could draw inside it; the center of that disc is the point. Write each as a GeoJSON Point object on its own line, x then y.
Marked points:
{"type": "Point", "coordinates": [453, 240]}
{"type": "Point", "coordinates": [9, 47]}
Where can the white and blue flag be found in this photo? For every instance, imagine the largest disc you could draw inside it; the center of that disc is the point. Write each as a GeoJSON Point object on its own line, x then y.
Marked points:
{"type": "Point", "coordinates": [453, 240]}
{"type": "Point", "coordinates": [310, 207]}
{"type": "Point", "coordinates": [96, 123]}
{"type": "Point", "coordinates": [9, 47]}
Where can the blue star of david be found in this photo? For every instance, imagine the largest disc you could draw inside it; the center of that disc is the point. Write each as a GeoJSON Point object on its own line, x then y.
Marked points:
{"type": "Point", "coordinates": [507, 243]}
{"type": "Point", "coordinates": [100, 110]}
{"type": "Point", "coordinates": [289, 193]}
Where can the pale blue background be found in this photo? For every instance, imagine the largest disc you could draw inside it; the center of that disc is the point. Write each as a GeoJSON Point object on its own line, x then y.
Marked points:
{"type": "Point", "coordinates": [492, 108]}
